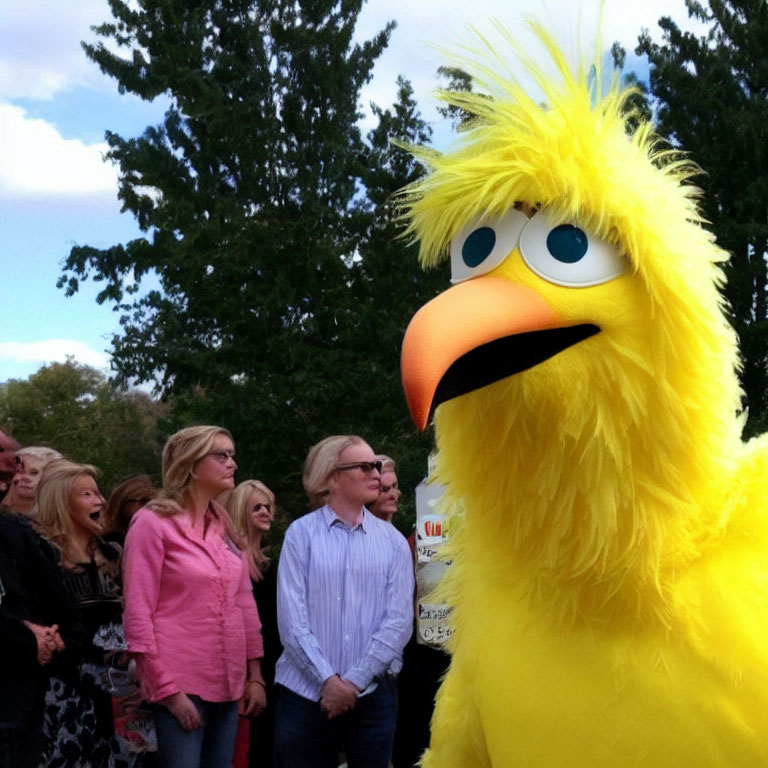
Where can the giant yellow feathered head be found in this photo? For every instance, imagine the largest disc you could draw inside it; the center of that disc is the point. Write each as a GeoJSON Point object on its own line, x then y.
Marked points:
{"type": "Point", "coordinates": [582, 356]}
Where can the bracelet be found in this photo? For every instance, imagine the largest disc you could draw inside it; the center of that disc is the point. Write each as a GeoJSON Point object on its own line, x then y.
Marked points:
{"type": "Point", "coordinates": [258, 682]}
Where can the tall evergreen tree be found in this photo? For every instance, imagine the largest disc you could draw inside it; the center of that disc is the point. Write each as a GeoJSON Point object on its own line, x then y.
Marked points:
{"type": "Point", "coordinates": [256, 199]}
{"type": "Point", "coordinates": [710, 97]}
{"type": "Point", "coordinates": [390, 287]}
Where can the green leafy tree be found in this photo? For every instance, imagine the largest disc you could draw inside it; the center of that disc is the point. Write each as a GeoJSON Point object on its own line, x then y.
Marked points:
{"type": "Point", "coordinates": [710, 98]}
{"type": "Point", "coordinates": [74, 409]}
{"type": "Point", "coordinates": [385, 287]}
{"type": "Point", "coordinates": [638, 107]}
{"type": "Point", "coordinates": [390, 287]}
{"type": "Point", "coordinates": [256, 199]}
{"type": "Point", "coordinates": [456, 79]}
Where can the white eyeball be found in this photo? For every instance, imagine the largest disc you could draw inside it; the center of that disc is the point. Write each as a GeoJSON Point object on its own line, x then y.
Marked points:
{"type": "Point", "coordinates": [483, 244]}
{"type": "Point", "coordinates": [565, 254]}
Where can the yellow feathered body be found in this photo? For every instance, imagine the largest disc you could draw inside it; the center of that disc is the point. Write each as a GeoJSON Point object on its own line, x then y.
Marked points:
{"type": "Point", "coordinates": [610, 565]}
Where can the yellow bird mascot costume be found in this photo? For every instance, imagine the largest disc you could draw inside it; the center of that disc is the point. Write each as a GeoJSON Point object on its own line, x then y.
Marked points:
{"type": "Point", "coordinates": [610, 576]}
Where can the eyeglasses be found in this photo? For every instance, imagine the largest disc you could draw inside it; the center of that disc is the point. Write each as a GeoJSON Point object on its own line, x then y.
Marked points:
{"type": "Point", "coordinates": [366, 466]}
{"type": "Point", "coordinates": [388, 488]}
{"type": "Point", "coordinates": [221, 456]}
{"type": "Point", "coordinates": [261, 505]}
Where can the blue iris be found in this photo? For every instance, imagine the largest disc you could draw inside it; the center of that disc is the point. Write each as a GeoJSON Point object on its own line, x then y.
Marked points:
{"type": "Point", "coordinates": [478, 246]}
{"type": "Point", "coordinates": [567, 243]}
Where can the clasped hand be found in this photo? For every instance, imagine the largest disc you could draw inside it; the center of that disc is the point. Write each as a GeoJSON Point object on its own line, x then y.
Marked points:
{"type": "Point", "coordinates": [48, 641]}
{"type": "Point", "coordinates": [337, 696]}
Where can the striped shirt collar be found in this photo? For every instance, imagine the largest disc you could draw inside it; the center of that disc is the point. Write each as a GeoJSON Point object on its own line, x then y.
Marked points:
{"type": "Point", "coordinates": [331, 518]}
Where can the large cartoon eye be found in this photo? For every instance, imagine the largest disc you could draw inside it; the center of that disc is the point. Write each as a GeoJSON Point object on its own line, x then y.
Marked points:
{"type": "Point", "coordinates": [565, 254]}
{"type": "Point", "coordinates": [483, 244]}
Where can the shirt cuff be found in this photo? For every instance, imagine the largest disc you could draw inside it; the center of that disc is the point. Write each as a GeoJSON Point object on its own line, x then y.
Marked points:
{"type": "Point", "coordinates": [155, 682]}
{"type": "Point", "coordinates": [359, 677]}
{"type": "Point", "coordinates": [324, 671]}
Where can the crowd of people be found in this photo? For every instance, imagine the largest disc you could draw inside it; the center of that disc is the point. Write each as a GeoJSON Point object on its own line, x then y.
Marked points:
{"type": "Point", "coordinates": [153, 628]}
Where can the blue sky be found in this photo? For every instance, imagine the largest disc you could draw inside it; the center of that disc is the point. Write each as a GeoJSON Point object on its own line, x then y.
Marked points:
{"type": "Point", "coordinates": [55, 105]}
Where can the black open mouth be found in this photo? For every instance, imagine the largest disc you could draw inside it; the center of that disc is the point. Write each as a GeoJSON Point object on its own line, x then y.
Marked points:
{"type": "Point", "coordinates": [505, 357]}
{"type": "Point", "coordinates": [95, 515]}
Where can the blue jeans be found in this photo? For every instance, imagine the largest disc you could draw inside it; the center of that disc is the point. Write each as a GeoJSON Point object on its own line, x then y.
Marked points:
{"type": "Point", "coordinates": [306, 738]}
{"type": "Point", "coordinates": [209, 746]}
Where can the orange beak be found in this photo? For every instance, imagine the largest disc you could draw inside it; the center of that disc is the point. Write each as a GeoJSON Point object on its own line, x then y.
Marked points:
{"type": "Point", "coordinates": [473, 334]}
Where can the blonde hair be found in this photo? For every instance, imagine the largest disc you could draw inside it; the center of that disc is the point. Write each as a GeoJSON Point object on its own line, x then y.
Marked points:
{"type": "Point", "coordinates": [320, 463]}
{"type": "Point", "coordinates": [53, 502]}
{"type": "Point", "coordinates": [239, 512]}
{"type": "Point", "coordinates": [387, 463]}
{"type": "Point", "coordinates": [181, 452]}
{"type": "Point", "coordinates": [40, 452]}
{"type": "Point", "coordinates": [42, 456]}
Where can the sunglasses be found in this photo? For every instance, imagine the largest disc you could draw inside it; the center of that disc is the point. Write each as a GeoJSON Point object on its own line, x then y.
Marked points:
{"type": "Point", "coordinates": [261, 505]}
{"type": "Point", "coordinates": [388, 488]}
{"type": "Point", "coordinates": [221, 456]}
{"type": "Point", "coordinates": [366, 466]}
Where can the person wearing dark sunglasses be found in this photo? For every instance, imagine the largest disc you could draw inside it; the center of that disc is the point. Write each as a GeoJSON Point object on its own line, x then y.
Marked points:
{"type": "Point", "coordinates": [251, 507]}
{"type": "Point", "coordinates": [345, 612]}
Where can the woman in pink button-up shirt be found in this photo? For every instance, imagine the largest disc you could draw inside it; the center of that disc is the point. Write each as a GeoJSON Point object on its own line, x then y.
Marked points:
{"type": "Point", "coordinates": [190, 617]}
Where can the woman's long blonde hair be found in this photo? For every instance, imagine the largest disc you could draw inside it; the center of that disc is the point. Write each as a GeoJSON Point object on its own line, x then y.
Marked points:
{"type": "Point", "coordinates": [181, 452]}
{"type": "Point", "coordinates": [240, 514]}
{"type": "Point", "coordinates": [53, 503]}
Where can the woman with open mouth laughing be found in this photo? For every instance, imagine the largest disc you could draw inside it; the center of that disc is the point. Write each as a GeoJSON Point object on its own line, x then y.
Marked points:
{"type": "Point", "coordinates": [78, 718]}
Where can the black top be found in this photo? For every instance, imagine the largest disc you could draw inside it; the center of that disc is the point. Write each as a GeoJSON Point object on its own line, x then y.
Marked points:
{"type": "Point", "coordinates": [97, 590]}
{"type": "Point", "coordinates": [265, 592]}
{"type": "Point", "coordinates": [31, 589]}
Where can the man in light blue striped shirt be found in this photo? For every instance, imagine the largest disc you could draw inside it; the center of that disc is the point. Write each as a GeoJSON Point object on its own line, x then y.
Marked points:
{"type": "Point", "coordinates": [345, 612]}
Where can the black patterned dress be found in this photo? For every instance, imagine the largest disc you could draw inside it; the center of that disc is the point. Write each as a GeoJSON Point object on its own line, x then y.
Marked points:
{"type": "Point", "coordinates": [78, 724]}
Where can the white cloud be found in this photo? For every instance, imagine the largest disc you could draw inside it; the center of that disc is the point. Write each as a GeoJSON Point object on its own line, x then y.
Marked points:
{"type": "Point", "coordinates": [423, 26]}
{"type": "Point", "coordinates": [36, 161]}
{"type": "Point", "coordinates": [41, 55]}
{"type": "Point", "coordinates": [40, 52]}
{"type": "Point", "coordinates": [52, 350]}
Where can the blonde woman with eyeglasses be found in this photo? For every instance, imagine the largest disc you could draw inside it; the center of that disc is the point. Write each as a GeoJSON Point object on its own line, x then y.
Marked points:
{"type": "Point", "coordinates": [190, 617]}
{"type": "Point", "coordinates": [251, 507]}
